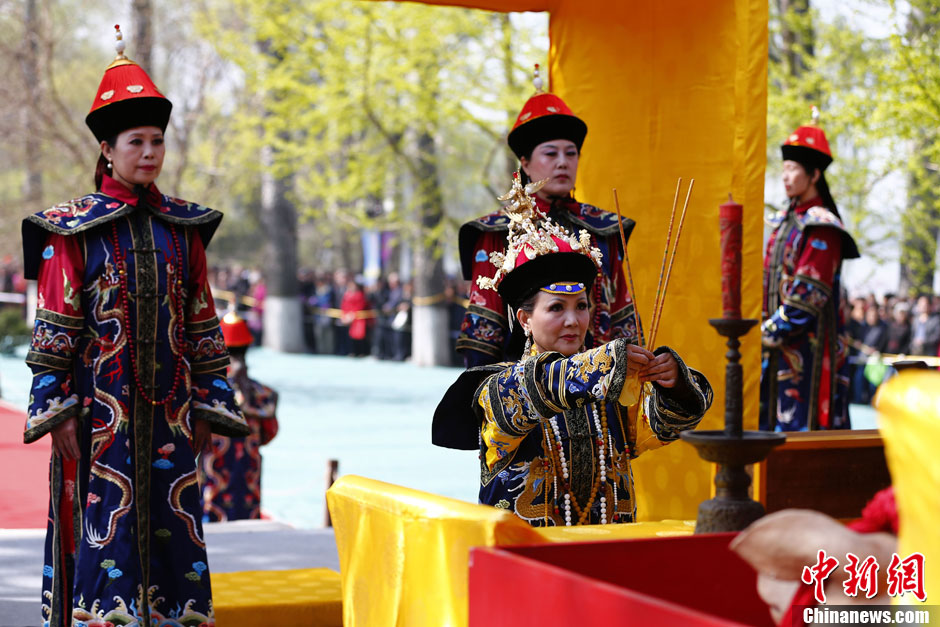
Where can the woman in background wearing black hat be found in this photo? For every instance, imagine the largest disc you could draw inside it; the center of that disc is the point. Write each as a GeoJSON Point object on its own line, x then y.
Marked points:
{"type": "Point", "coordinates": [804, 375]}
{"type": "Point", "coordinates": [557, 430]}
{"type": "Point", "coordinates": [547, 139]}
{"type": "Point", "coordinates": [230, 468]}
{"type": "Point", "coordinates": [129, 376]}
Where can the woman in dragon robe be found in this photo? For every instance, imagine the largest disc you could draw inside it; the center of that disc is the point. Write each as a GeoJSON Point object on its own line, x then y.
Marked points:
{"type": "Point", "coordinates": [129, 377]}
{"type": "Point", "coordinates": [556, 430]}
{"type": "Point", "coordinates": [547, 139]}
{"type": "Point", "coordinates": [804, 368]}
{"type": "Point", "coordinates": [230, 470]}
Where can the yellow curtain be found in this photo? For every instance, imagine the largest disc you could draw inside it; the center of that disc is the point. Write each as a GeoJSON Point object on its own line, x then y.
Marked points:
{"type": "Point", "coordinates": [668, 89]}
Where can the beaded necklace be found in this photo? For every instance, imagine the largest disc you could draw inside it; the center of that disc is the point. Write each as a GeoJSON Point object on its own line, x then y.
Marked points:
{"type": "Point", "coordinates": [556, 452]}
{"type": "Point", "coordinates": [176, 288]}
{"type": "Point", "coordinates": [616, 517]}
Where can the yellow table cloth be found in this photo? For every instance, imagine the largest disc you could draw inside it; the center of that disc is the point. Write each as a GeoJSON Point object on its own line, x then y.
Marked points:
{"type": "Point", "coordinates": [404, 554]}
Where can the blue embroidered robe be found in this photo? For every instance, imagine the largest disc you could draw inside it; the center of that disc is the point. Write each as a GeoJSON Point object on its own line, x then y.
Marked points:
{"type": "Point", "coordinates": [519, 470]}
{"type": "Point", "coordinates": [125, 538]}
{"type": "Point", "coordinates": [804, 367]}
{"type": "Point", "coordinates": [230, 472]}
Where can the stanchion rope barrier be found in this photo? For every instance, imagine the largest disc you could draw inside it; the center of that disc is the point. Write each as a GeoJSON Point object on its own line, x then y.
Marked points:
{"type": "Point", "coordinates": [332, 312]}
{"type": "Point", "coordinates": [890, 358]}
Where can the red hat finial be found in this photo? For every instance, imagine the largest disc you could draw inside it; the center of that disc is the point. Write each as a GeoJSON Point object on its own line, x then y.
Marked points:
{"type": "Point", "coordinates": [119, 43]}
{"type": "Point", "coordinates": [537, 79]}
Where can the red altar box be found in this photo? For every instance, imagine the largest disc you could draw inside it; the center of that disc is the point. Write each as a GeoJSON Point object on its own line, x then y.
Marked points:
{"type": "Point", "coordinates": [689, 580]}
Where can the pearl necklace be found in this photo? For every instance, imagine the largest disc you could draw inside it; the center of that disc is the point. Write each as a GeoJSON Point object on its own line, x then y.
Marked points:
{"type": "Point", "coordinates": [601, 458]}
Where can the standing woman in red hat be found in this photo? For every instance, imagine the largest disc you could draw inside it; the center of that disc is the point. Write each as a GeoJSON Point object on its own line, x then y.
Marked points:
{"type": "Point", "coordinates": [547, 139]}
{"type": "Point", "coordinates": [129, 376]}
{"type": "Point", "coordinates": [230, 470]}
{"type": "Point", "coordinates": [804, 373]}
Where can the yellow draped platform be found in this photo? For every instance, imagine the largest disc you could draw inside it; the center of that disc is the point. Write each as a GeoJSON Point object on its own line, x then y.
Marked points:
{"type": "Point", "coordinates": [909, 419]}
{"type": "Point", "coordinates": [264, 598]}
{"type": "Point", "coordinates": [670, 88]}
{"type": "Point", "coordinates": [404, 554]}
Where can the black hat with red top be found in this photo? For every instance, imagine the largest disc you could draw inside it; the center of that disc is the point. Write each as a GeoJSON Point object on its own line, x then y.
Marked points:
{"type": "Point", "coordinates": [544, 117]}
{"type": "Point", "coordinates": [126, 98]}
{"type": "Point", "coordinates": [808, 145]}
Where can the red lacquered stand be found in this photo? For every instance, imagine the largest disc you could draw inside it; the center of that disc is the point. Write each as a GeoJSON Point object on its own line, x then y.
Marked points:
{"type": "Point", "coordinates": [680, 581]}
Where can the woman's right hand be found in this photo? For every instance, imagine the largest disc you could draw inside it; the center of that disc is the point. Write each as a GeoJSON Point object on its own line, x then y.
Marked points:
{"type": "Point", "coordinates": [65, 439]}
{"type": "Point", "coordinates": [637, 359]}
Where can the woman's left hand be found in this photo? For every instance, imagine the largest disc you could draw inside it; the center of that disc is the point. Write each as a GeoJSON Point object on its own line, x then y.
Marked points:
{"type": "Point", "coordinates": [663, 369]}
{"type": "Point", "coordinates": [202, 433]}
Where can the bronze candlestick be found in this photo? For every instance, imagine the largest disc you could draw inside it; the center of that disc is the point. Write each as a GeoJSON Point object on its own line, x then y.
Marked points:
{"type": "Point", "coordinates": [732, 449]}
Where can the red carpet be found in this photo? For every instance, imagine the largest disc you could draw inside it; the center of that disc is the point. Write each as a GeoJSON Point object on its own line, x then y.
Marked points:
{"type": "Point", "coordinates": [24, 490]}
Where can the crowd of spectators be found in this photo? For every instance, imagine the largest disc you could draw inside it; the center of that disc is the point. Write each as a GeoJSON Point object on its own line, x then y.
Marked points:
{"type": "Point", "coordinates": [11, 276]}
{"type": "Point", "coordinates": [895, 326]}
{"type": "Point", "coordinates": [343, 314]}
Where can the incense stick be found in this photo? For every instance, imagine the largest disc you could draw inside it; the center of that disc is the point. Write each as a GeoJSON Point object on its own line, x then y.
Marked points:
{"type": "Point", "coordinates": [662, 269]}
{"type": "Point", "coordinates": [626, 259]}
{"type": "Point", "coordinates": [655, 329]}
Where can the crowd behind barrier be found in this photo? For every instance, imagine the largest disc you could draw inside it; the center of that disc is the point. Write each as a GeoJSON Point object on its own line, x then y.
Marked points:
{"type": "Point", "coordinates": [343, 314]}
{"type": "Point", "coordinates": [12, 282]}
{"type": "Point", "coordinates": [888, 330]}
{"type": "Point", "coordinates": [13, 314]}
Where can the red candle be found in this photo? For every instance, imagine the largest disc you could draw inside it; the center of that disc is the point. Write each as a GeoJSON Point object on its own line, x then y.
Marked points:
{"type": "Point", "coordinates": [729, 218]}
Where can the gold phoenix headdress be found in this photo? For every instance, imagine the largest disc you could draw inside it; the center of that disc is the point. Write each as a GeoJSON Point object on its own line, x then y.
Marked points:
{"type": "Point", "coordinates": [532, 236]}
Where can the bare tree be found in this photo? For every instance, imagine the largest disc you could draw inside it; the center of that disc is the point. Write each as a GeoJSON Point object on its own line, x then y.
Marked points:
{"type": "Point", "coordinates": [283, 311]}
{"type": "Point", "coordinates": [797, 38]}
{"type": "Point", "coordinates": [32, 192]}
{"type": "Point", "coordinates": [429, 343]}
{"type": "Point", "coordinates": [142, 15]}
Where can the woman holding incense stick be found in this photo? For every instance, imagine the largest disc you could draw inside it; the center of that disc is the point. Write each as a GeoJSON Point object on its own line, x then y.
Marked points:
{"type": "Point", "coordinates": [804, 373]}
{"type": "Point", "coordinates": [557, 429]}
{"type": "Point", "coordinates": [547, 139]}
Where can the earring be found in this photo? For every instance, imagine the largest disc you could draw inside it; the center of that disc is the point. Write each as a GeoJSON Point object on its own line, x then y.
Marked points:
{"type": "Point", "coordinates": [527, 351]}
{"type": "Point", "coordinates": [109, 165]}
